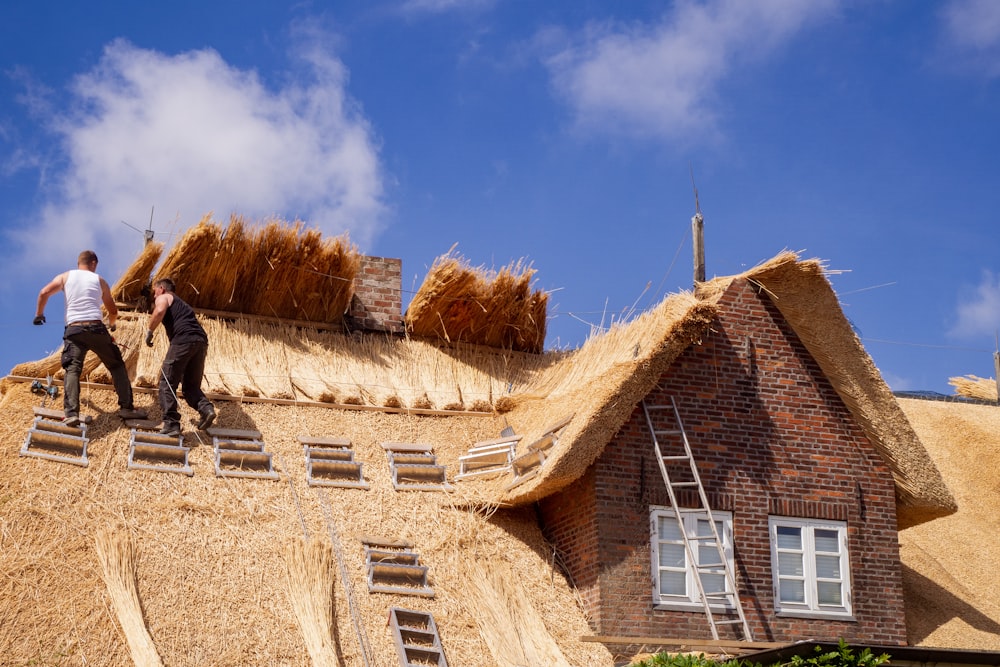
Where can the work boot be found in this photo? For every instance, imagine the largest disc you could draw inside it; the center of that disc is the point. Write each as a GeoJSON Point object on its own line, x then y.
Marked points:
{"type": "Point", "coordinates": [170, 430]}
{"type": "Point", "coordinates": [207, 418]}
{"type": "Point", "coordinates": [71, 420]}
{"type": "Point", "coordinates": [132, 413]}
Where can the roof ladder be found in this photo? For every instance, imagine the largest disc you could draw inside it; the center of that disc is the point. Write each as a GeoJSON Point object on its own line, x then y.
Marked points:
{"type": "Point", "coordinates": [414, 466]}
{"type": "Point", "coordinates": [393, 567]}
{"type": "Point", "coordinates": [48, 438]}
{"type": "Point", "coordinates": [416, 637]}
{"type": "Point", "coordinates": [240, 453]}
{"type": "Point", "coordinates": [149, 450]}
{"type": "Point", "coordinates": [679, 459]}
{"type": "Point", "coordinates": [330, 462]}
{"type": "Point", "coordinates": [529, 464]}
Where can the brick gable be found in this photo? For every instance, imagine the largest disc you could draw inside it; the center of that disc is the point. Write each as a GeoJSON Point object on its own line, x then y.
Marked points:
{"type": "Point", "coordinates": [770, 437]}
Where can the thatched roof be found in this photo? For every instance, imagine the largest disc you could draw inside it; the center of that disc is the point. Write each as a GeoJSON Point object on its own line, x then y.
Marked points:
{"type": "Point", "coordinates": [212, 556]}
{"type": "Point", "coordinates": [973, 386]}
{"type": "Point", "coordinates": [623, 366]}
{"type": "Point", "coordinates": [950, 585]}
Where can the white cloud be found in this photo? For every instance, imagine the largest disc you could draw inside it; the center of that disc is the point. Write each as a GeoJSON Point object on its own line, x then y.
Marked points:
{"type": "Point", "coordinates": [190, 134]}
{"type": "Point", "coordinates": [660, 80]}
{"type": "Point", "coordinates": [438, 6]}
{"type": "Point", "coordinates": [979, 313]}
{"type": "Point", "coordinates": [972, 33]}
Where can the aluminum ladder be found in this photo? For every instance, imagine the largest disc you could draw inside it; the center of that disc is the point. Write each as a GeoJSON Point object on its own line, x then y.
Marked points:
{"type": "Point", "coordinates": [693, 480]}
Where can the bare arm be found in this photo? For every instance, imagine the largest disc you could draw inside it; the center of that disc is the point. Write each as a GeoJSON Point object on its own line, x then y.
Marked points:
{"type": "Point", "coordinates": [56, 285]}
{"type": "Point", "coordinates": [109, 303]}
{"type": "Point", "coordinates": [159, 310]}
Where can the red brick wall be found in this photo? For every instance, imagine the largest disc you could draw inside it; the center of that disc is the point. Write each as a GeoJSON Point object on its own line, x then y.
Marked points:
{"type": "Point", "coordinates": [378, 299]}
{"type": "Point", "coordinates": [770, 437]}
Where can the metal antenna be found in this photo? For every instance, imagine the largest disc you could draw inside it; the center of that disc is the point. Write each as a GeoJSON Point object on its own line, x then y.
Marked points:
{"type": "Point", "coordinates": [147, 234]}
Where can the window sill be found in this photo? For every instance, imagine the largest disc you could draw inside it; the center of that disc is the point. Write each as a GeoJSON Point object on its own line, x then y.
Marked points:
{"type": "Point", "coordinates": [820, 615]}
{"type": "Point", "coordinates": [695, 607]}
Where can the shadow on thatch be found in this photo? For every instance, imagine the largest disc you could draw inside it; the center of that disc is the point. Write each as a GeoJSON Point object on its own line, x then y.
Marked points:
{"type": "Point", "coordinates": [940, 605]}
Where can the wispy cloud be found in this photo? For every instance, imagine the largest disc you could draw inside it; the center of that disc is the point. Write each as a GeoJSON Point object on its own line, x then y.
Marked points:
{"type": "Point", "coordinates": [661, 79]}
{"type": "Point", "coordinates": [979, 313]}
{"type": "Point", "coordinates": [438, 6]}
{"type": "Point", "coordinates": [972, 34]}
{"type": "Point", "coordinates": [189, 134]}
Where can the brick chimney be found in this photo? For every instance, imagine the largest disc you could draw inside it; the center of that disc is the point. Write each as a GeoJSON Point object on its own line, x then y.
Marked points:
{"type": "Point", "coordinates": [377, 304]}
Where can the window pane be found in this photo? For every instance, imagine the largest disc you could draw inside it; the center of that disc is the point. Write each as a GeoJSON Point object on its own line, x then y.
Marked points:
{"type": "Point", "coordinates": [673, 583]}
{"type": "Point", "coordinates": [828, 567]}
{"type": "Point", "coordinates": [671, 555]}
{"type": "Point", "coordinates": [708, 556]}
{"type": "Point", "coordinates": [829, 593]}
{"type": "Point", "coordinates": [789, 537]}
{"type": "Point", "coordinates": [668, 528]}
{"type": "Point", "coordinates": [791, 591]}
{"type": "Point", "coordinates": [713, 583]}
{"type": "Point", "coordinates": [826, 540]}
{"type": "Point", "coordinates": [790, 565]}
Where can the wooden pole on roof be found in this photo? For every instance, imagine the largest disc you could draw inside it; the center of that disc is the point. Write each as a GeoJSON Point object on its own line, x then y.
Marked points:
{"type": "Point", "coordinates": [698, 237]}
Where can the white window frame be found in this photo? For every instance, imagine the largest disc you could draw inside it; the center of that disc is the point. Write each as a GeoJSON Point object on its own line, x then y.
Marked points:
{"type": "Point", "coordinates": [691, 599]}
{"type": "Point", "coordinates": [811, 607]}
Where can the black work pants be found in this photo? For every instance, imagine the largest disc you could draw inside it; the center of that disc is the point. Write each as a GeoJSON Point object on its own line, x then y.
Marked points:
{"type": "Point", "coordinates": [184, 367]}
{"type": "Point", "coordinates": [80, 339]}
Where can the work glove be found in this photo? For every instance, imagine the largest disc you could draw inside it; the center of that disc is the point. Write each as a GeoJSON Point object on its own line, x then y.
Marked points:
{"type": "Point", "coordinates": [112, 327]}
{"type": "Point", "coordinates": [39, 320]}
{"type": "Point", "coordinates": [149, 338]}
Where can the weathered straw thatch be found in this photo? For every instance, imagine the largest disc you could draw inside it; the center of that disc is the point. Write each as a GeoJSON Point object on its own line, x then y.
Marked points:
{"type": "Point", "coordinates": [492, 308]}
{"type": "Point", "coordinates": [117, 556]}
{"type": "Point", "coordinates": [950, 585]}
{"type": "Point", "coordinates": [279, 270]}
{"type": "Point", "coordinates": [973, 386]}
{"type": "Point", "coordinates": [128, 288]}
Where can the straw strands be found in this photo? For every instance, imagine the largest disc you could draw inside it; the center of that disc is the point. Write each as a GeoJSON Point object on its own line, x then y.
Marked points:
{"type": "Point", "coordinates": [117, 556]}
{"type": "Point", "coordinates": [494, 308]}
{"type": "Point", "coordinates": [128, 287]}
{"type": "Point", "coordinates": [277, 270]}
{"type": "Point", "coordinates": [509, 624]}
{"type": "Point", "coordinates": [309, 576]}
{"type": "Point", "coordinates": [973, 386]}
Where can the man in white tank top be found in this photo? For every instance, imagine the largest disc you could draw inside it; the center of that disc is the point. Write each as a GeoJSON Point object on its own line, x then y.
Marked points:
{"type": "Point", "coordinates": [85, 331]}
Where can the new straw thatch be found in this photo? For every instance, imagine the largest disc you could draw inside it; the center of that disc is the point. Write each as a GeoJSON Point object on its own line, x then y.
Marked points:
{"type": "Point", "coordinates": [494, 308]}
{"type": "Point", "coordinates": [128, 288]}
{"type": "Point", "coordinates": [117, 556]}
{"type": "Point", "coordinates": [973, 386]}
{"type": "Point", "coordinates": [310, 587]}
{"type": "Point", "coordinates": [278, 270]}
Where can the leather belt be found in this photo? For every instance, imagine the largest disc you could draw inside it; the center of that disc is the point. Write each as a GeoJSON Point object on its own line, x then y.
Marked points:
{"type": "Point", "coordinates": [83, 323]}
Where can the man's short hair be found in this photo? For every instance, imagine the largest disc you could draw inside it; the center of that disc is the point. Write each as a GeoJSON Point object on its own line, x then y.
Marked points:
{"type": "Point", "coordinates": [166, 283]}
{"type": "Point", "coordinates": [86, 257]}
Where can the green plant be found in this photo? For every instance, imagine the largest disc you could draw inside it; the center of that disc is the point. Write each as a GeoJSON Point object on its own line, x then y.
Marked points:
{"type": "Point", "coordinates": [842, 656]}
{"type": "Point", "coordinates": [690, 660]}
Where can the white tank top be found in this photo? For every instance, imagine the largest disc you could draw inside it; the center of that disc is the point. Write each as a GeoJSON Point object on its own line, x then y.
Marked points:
{"type": "Point", "coordinates": [83, 296]}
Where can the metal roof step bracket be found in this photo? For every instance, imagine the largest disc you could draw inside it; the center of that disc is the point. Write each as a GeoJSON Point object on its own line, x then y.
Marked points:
{"type": "Point", "coordinates": [414, 467]}
{"type": "Point", "coordinates": [240, 453]}
{"type": "Point", "coordinates": [396, 570]}
{"type": "Point", "coordinates": [50, 439]}
{"type": "Point", "coordinates": [416, 638]}
{"type": "Point", "coordinates": [330, 462]}
{"type": "Point", "coordinates": [488, 457]}
{"type": "Point", "coordinates": [530, 463]}
{"type": "Point", "coordinates": [149, 450]}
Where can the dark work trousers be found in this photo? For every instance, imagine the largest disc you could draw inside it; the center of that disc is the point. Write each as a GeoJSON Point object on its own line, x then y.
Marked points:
{"type": "Point", "coordinates": [92, 338]}
{"type": "Point", "coordinates": [183, 366]}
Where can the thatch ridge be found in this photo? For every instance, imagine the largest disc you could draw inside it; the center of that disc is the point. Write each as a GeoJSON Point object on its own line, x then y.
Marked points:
{"type": "Point", "coordinates": [457, 302]}
{"type": "Point", "coordinates": [973, 386]}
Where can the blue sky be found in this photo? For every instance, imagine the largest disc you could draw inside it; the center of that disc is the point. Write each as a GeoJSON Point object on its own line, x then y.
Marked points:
{"type": "Point", "coordinates": [565, 133]}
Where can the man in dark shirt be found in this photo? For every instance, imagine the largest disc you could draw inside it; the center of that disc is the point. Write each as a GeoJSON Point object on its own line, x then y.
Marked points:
{"type": "Point", "coordinates": [184, 364]}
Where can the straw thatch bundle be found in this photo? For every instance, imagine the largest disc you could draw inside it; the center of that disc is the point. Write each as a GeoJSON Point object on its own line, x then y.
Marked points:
{"type": "Point", "coordinates": [509, 624]}
{"type": "Point", "coordinates": [278, 270]}
{"type": "Point", "coordinates": [494, 308]}
{"type": "Point", "coordinates": [117, 555]}
{"type": "Point", "coordinates": [309, 576]}
{"type": "Point", "coordinates": [973, 386]}
{"type": "Point", "coordinates": [128, 287]}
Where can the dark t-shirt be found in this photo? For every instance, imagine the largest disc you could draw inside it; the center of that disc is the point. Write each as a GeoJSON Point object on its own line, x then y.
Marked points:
{"type": "Point", "coordinates": [180, 323]}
